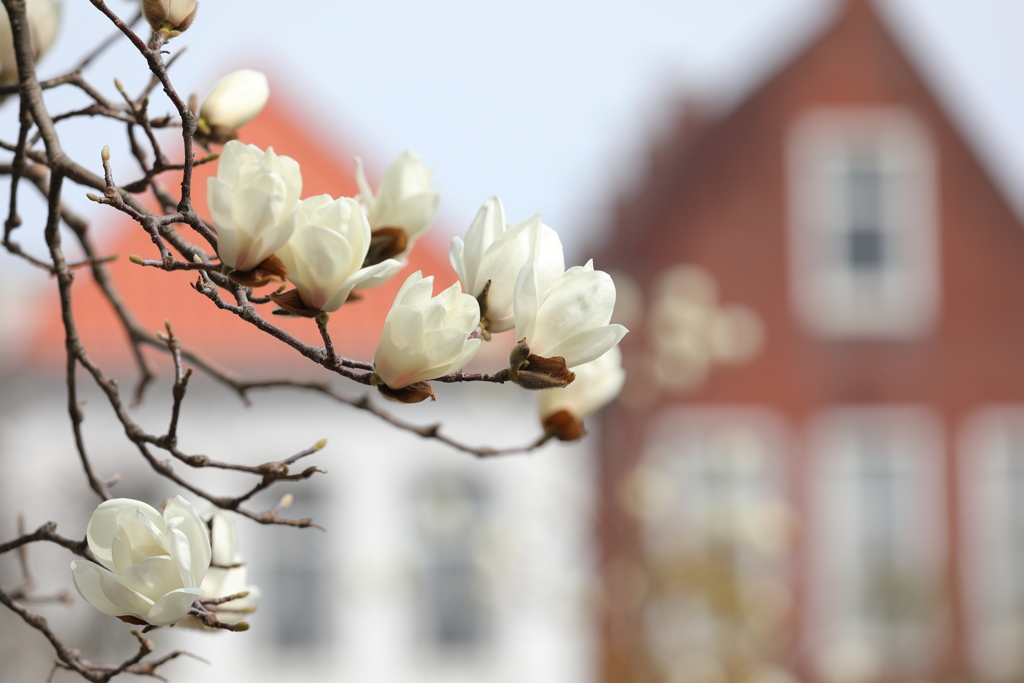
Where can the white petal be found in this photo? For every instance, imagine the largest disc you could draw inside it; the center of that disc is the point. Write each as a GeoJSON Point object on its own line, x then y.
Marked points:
{"type": "Point", "coordinates": [87, 577]}
{"type": "Point", "coordinates": [172, 606]}
{"type": "Point", "coordinates": [365, 193]}
{"type": "Point", "coordinates": [181, 553]}
{"type": "Point", "coordinates": [587, 345]}
{"type": "Point", "coordinates": [236, 99]}
{"type": "Point", "coordinates": [571, 305]}
{"type": "Point", "coordinates": [413, 214]}
{"type": "Point", "coordinates": [101, 589]}
{"type": "Point", "coordinates": [223, 538]}
{"type": "Point", "coordinates": [195, 532]}
{"type": "Point", "coordinates": [153, 577]}
{"type": "Point", "coordinates": [525, 299]}
{"type": "Point", "coordinates": [103, 526]}
{"type": "Point", "coordinates": [416, 291]}
{"type": "Point", "coordinates": [121, 552]}
{"type": "Point", "coordinates": [457, 257]}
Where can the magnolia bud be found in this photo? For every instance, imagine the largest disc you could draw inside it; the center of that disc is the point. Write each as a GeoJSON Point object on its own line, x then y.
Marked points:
{"type": "Point", "coordinates": [233, 102]}
{"type": "Point", "coordinates": [176, 15]}
{"type": "Point", "coordinates": [43, 22]}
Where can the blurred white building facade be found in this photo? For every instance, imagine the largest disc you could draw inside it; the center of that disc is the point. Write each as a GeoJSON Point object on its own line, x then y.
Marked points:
{"type": "Point", "coordinates": [435, 566]}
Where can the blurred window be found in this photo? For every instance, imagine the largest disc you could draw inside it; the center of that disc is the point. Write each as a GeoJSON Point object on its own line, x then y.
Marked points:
{"type": "Point", "coordinates": [716, 532]}
{"type": "Point", "coordinates": [993, 514]}
{"type": "Point", "coordinates": [451, 515]}
{"type": "Point", "coordinates": [878, 534]}
{"type": "Point", "coordinates": [298, 589]}
{"type": "Point", "coordinates": [863, 236]}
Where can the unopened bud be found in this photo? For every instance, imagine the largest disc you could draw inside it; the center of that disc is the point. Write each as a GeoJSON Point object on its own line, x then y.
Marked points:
{"type": "Point", "coordinates": [564, 426]}
{"type": "Point", "coordinates": [105, 154]}
{"type": "Point", "coordinates": [93, 197]}
{"type": "Point", "coordinates": [233, 102]}
{"type": "Point", "coordinates": [196, 259]}
{"type": "Point", "coordinates": [320, 444]}
{"type": "Point", "coordinates": [175, 15]}
{"type": "Point", "coordinates": [134, 258]}
{"type": "Point", "coordinates": [286, 500]}
{"type": "Point", "coordinates": [240, 626]}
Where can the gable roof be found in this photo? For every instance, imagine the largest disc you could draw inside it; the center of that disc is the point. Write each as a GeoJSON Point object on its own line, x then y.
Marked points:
{"type": "Point", "coordinates": [154, 295]}
{"type": "Point", "coordinates": [855, 61]}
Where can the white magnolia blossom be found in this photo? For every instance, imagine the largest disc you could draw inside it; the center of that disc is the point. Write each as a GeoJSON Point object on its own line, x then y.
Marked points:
{"type": "Point", "coordinates": [324, 256]}
{"type": "Point", "coordinates": [252, 202]}
{"type": "Point", "coordinates": [569, 318]}
{"type": "Point", "coordinates": [403, 200]}
{"type": "Point", "coordinates": [226, 579]}
{"type": "Point", "coordinates": [597, 383]}
{"type": "Point", "coordinates": [236, 99]}
{"type": "Point", "coordinates": [43, 22]}
{"type": "Point", "coordinates": [495, 251]}
{"type": "Point", "coordinates": [152, 564]}
{"type": "Point", "coordinates": [178, 14]}
{"type": "Point", "coordinates": [425, 338]}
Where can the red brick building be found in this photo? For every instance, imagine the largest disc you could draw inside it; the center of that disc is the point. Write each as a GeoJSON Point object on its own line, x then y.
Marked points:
{"type": "Point", "coordinates": [816, 471]}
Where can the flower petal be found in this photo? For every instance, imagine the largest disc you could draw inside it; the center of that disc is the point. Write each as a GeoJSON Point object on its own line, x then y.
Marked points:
{"type": "Point", "coordinates": [152, 578]}
{"type": "Point", "coordinates": [172, 606]}
{"type": "Point", "coordinates": [102, 590]}
{"type": "Point", "coordinates": [194, 530]}
{"type": "Point", "coordinates": [103, 526]}
{"type": "Point", "coordinates": [588, 344]}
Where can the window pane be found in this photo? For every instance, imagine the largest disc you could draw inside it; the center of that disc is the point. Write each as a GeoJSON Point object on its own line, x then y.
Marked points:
{"type": "Point", "coordinates": [451, 513]}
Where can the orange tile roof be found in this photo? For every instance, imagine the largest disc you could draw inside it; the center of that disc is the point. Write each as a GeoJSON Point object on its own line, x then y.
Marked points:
{"type": "Point", "coordinates": [155, 295]}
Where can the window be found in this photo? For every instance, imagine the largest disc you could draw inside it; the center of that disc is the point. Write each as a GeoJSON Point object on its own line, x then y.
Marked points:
{"type": "Point", "coordinates": [296, 583]}
{"type": "Point", "coordinates": [877, 536]}
{"type": "Point", "coordinates": [863, 226]}
{"type": "Point", "coordinates": [992, 462]}
{"type": "Point", "coordinates": [451, 514]}
{"type": "Point", "coordinates": [715, 532]}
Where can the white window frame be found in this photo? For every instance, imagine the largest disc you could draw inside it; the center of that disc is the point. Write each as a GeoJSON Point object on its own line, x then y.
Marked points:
{"type": "Point", "coordinates": [992, 578]}
{"type": "Point", "coordinates": [900, 298]}
{"type": "Point", "coordinates": [838, 620]}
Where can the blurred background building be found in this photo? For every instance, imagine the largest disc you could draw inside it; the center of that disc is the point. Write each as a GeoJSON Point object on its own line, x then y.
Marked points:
{"type": "Point", "coordinates": [812, 474]}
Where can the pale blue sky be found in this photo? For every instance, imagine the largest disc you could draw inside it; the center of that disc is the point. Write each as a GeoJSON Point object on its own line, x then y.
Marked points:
{"type": "Point", "coordinates": [550, 105]}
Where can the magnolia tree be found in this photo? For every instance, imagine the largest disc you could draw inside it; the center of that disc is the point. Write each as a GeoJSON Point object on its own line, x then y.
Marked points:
{"type": "Point", "coordinates": [261, 247]}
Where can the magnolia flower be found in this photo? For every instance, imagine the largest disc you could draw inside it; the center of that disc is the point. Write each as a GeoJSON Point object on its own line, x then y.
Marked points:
{"type": "Point", "coordinates": [233, 102]}
{"type": "Point", "coordinates": [227, 575]}
{"type": "Point", "coordinates": [152, 564]}
{"type": "Point", "coordinates": [597, 383]}
{"type": "Point", "coordinates": [493, 254]}
{"type": "Point", "coordinates": [570, 318]}
{"type": "Point", "coordinates": [324, 256]}
{"type": "Point", "coordinates": [176, 15]}
{"type": "Point", "coordinates": [252, 202]}
{"type": "Point", "coordinates": [402, 209]}
{"type": "Point", "coordinates": [425, 338]}
{"type": "Point", "coordinates": [43, 22]}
